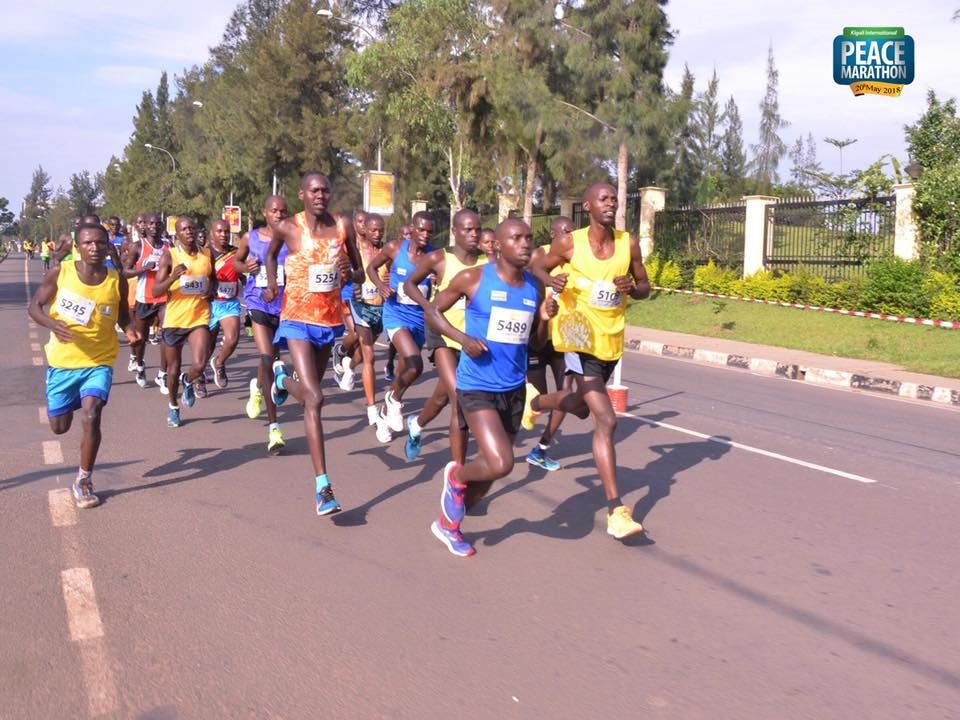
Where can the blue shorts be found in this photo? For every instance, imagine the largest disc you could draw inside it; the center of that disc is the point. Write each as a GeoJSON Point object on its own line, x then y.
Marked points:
{"type": "Point", "coordinates": [316, 335]}
{"type": "Point", "coordinates": [346, 292]}
{"type": "Point", "coordinates": [418, 333]}
{"type": "Point", "coordinates": [66, 388]}
{"type": "Point", "coordinates": [220, 309]}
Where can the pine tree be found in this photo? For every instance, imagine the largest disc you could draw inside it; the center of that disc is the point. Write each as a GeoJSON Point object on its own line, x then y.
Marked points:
{"type": "Point", "coordinates": [36, 206]}
{"type": "Point", "coordinates": [770, 148]}
{"type": "Point", "coordinates": [733, 160]}
{"type": "Point", "coordinates": [707, 123]}
{"type": "Point", "coordinates": [683, 178]}
{"type": "Point", "coordinates": [83, 195]}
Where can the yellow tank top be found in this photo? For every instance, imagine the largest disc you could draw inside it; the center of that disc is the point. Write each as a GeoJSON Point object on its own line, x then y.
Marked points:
{"type": "Point", "coordinates": [456, 315]}
{"type": "Point", "coordinates": [366, 292]}
{"type": "Point", "coordinates": [592, 313]}
{"type": "Point", "coordinates": [91, 312]}
{"type": "Point", "coordinates": [188, 305]}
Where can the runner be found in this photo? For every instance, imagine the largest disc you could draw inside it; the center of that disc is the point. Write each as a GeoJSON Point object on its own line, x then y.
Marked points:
{"type": "Point", "coordinates": [367, 308]}
{"type": "Point", "coordinates": [225, 308]}
{"type": "Point", "coordinates": [344, 349]}
{"type": "Point", "coordinates": [406, 233]}
{"type": "Point", "coordinates": [505, 310]}
{"type": "Point", "coordinates": [264, 316]}
{"type": "Point", "coordinates": [603, 265]}
{"type": "Point", "coordinates": [45, 254]}
{"type": "Point", "coordinates": [548, 358]}
{"type": "Point", "coordinates": [115, 237]}
{"type": "Point", "coordinates": [402, 317]}
{"type": "Point", "coordinates": [444, 264]}
{"type": "Point", "coordinates": [186, 275]}
{"type": "Point", "coordinates": [487, 244]}
{"type": "Point", "coordinates": [320, 252]}
{"type": "Point", "coordinates": [85, 299]}
{"type": "Point", "coordinates": [141, 262]}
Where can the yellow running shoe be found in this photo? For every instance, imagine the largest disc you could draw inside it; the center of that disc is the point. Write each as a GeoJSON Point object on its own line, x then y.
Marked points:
{"type": "Point", "coordinates": [620, 523]}
{"type": "Point", "coordinates": [255, 403]}
{"type": "Point", "coordinates": [529, 414]}
{"type": "Point", "coordinates": [275, 441]}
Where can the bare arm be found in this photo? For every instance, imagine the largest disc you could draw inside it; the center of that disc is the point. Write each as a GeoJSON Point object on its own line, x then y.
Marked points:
{"type": "Point", "coordinates": [240, 262]}
{"type": "Point", "coordinates": [433, 262]}
{"type": "Point", "coordinates": [130, 261]}
{"type": "Point", "coordinates": [277, 239]}
{"type": "Point", "coordinates": [561, 251]}
{"type": "Point", "coordinates": [387, 254]}
{"type": "Point", "coordinates": [166, 274]}
{"type": "Point", "coordinates": [635, 284]}
{"type": "Point", "coordinates": [464, 283]}
{"type": "Point", "coordinates": [353, 253]}
{"type": "Point", "coordinates": [42, 298]}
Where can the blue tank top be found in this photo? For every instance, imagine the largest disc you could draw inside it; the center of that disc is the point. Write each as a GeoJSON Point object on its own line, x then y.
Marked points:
{"type": "Point", "coordinates": [253, 290]}
{"type": "Point", "coordinates": [399, 310]}
{"type": "Point", "coordinates": [503, 317]}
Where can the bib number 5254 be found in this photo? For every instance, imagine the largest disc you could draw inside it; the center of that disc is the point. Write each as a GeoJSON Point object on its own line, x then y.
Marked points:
{"type": "Point", "coordinates": [324, 277]}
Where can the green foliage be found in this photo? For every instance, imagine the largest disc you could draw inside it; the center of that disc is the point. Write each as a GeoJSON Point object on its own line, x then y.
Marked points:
{"type": "Point", "coordinates": [763, 285]}
{"type": "Point", "coordinates": [714, 279]}
{"type": "Point", "coordinates": [770, 148]}
{"type": "Point", "coordinates": [7, 224]}
{"type": "Point", "coordinates": [935, 138]}
{"type": "Point", "coordinates": [663, 273]}
{"type": "Point", "coordinates": [944, 293]}
{"type": "Point", "coordinates": [938, 212]}
{"type": "Point", "coordinates": [896, 287]}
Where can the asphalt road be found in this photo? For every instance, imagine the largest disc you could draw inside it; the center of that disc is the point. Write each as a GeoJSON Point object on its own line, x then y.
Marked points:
{"type": "Point", "coordinates": [801, 560]}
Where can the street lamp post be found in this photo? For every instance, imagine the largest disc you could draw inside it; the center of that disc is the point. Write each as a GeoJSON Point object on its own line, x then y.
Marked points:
{"type": "Point", "coordinates": [328, 13]}
{"type": "Point", "coordinates": [150, 146]}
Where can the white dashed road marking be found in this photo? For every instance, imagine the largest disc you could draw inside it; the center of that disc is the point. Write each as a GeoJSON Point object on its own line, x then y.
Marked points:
{"type": "Point", "coordinates": [63, 512]}
{"type": "Point", "coordinates": [52, 452]}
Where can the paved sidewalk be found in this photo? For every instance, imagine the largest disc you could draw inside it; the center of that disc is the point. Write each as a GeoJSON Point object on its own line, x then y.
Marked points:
{"type": "Point", "coordinates": [847, 373]}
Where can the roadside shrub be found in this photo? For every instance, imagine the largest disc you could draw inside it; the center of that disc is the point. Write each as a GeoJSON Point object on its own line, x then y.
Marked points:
{"type": "Point", "coordinates": [713, 279]}
{"type": "Point", "coordinates": [663, 273]}
{"type": "Point", "coordinates": [895, 287]}
{"type": "Point", "coordinates": [944, 293]}
{"type": "Point", "coordinates": [805, 287]}
{"type": "Point", "coordinates": [846, 295]}
{"type": "Point", "coordinates": [762, 285]}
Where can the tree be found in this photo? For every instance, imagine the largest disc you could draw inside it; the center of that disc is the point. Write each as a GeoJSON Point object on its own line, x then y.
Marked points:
{"type": "Point", "coordinates": [8, 224]}
{"type": "Point", "coordinates": [83, 194]}
{"type": "Point", "coordinates": [683, 177]}
{"type": "Point", "coordinates": [770, 149]}
{"type": "Point", "coordinates": [804, 166]}
{"type": "Point", "coordinates": [935, 137]}
{"type": "Point", "coordinates": [733, 160]}
{"type": "Point", "coordinates": [36, 205]}
{"type": "Point", "coordinates": [840, 145]}
{"type": "Point", "coordinates": [706, 121]}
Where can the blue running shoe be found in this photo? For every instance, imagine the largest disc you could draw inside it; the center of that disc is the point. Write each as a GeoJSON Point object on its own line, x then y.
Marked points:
{"type": "Point", "coordinates": [173, 418]}
{"type": "Point", "coordinates": [412, 447]}
{"type": "Point", "coordinates": [538, 458]}
{"type": "Point", "coordinates": [451, 498]}
{"type": "Point", "coordinates": [326, 503]}
{"type": "Point", "coordinates": [453, 539]}
{"type": "Point", "coordinates": [388, 374]}
{"type": "Point", "coordinates": [189, 394]}
{"type": "Point", "coordinates": [277, 391]}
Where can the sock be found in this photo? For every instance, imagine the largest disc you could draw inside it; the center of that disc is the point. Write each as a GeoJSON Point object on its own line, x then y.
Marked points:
{"type": "Point", "coordinates": [613, 504]}
{"type": "Point", "coordinates": [174, 407]}
{"type": "Point", "coordinates": [322, 482]}
{"type": "Point", "coordinates": [414, 426]}
{"type": "Point", "coordinates": [543, 446]}
{"type": "Point", "coordinates": [274, 426]}
{"type": "Point", "coordinates": [83, 476]}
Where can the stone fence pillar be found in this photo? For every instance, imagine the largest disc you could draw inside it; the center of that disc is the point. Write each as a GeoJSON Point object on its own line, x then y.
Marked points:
{"type": "Point", "coordinates": [506, 203]}
{"type": "Point", "coordinates": [754, 232]}
{"type": "Point", "coordinates": [566, 205]}
{"type": "Point", "coordinates": [906, 243]}
{"type": "Point", "coordinates": [652, 200]}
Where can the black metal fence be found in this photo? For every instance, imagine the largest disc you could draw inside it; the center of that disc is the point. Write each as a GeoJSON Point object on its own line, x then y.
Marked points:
{"type": "Point", "coordinates": [695, 236]}
{"type": "Point", "coordinates": [830, 238]}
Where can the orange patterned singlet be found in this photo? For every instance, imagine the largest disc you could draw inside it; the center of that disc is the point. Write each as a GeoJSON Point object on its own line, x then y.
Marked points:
{"type": "Point", "coordinates": [313, 282]}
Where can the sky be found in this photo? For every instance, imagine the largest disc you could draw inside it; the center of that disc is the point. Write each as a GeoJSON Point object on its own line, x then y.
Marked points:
{"type": "Point", "coordinates": [71, 74]}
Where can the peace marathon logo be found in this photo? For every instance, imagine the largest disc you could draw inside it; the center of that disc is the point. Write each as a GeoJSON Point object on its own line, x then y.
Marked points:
{"type": "Point", "coordinates": [873, 60]}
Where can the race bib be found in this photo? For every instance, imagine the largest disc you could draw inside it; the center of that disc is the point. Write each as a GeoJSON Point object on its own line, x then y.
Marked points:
{"type": "Point", "coordinates": [405, 299]}
{"type": "Point", "coordinates": [193, 284]}
{"type": "Point", "coordinates": [604, 295]}
{"type": "Point", "coordinates": [369, 292]}
{"type": "Point", "coordinates": [324, 277]}
{"type": "Point", "coordinates": [508, 326]}
{"type": "Point", "coordinates": [261, 279]}
{"type": "Point", "coordinates": [227, 290]}
{"type": "Point", "coordinates": [74, 308]}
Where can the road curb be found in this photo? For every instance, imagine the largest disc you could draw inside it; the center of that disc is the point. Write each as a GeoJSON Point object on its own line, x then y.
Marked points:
{"type": "Point", "coordinates": [802, 373]}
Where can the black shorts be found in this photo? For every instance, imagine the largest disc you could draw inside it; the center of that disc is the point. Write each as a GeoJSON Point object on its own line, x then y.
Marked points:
{"type": "Point", "coordinates": [147, 311]}
{"type": "Point", "coordinates": [368, 316]}
{"type": "Point", "coordinates": [271, 322]}
{"type": "Point", "coordinates": [542, 358]}
{"type": "Point", "coordinates": [509, 406]}
{"type": "Point", "coordinates": [175, 337]}
{"type": "Point", "coordinates": [588, 365]}
{"type": "Point", "coordinates": [433, 355]}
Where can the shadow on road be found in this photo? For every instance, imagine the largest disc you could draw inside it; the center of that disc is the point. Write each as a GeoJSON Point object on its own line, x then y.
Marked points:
{"type": "Point", "coordinates": [51, 471]}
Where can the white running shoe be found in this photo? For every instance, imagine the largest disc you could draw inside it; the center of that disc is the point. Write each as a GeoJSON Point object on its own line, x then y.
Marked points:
{"type": "Point", "coordinates": [347, 375]}
{"type": "Point", "coordinates": [132, 364]}
{"type": "Point", "coordinates": [394, 414]}
{"type": "Point", "coordinates": [372, 414]}
{"type": "Point", "coordinates": [383, 429]}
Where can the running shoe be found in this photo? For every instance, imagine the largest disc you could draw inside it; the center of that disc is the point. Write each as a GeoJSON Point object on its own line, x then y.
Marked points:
{"type": "Point", "coordinates": [372, 414]}
{"type": "Point", "coordinates": [338, 354]}
{"type": "Point", "coordinates": [255, 402]}
{"type": "Point", "coordinates": [453, 539]}
{"type": "Point", "coordinates": [161, 381]}
{"type": "Point", "coordinates": [132, 363]}
{"type": "Point", "coordinates": [337, 372]}
{"type": "Point", "coordinates": [388, 373]}
{"type": "Point", "coordinates": [219, 373]}
{"type": "Point", "coordinates": [620, 523]}
{"type": "Point", "coordinates": [277, 392]}
{"type": "Point", "coordinates": [384, 435]}
{"type": "Point", "coordinates": [189, 393]}
{"type": "Point", "coordinates": [83, 496]}
{"type": "Point", "coordinates": [141, 377]}
{"type": "Point", "coordinates": [347, 375]}
{"type": "Point", "coordinates": [394, 412]}
{"type": "Point", "coordinates": [538, 457]}
{"type": "Point", "coordinates": [200, 386]}
{"type": "Point", "coordinates": [173, 418]}
{"type": "Point", "coordinates": [154, 337]}
{"type": "Point", "coordinates": [451, 497]}
{"type": "Point", "coordinates": [529, 414]}
{"type": "Point", "coordinates": [411, 448]}
{"type": "Point", "coordinates": [326, 503]}
{"type": "Point", "coordinates": [275, 441]}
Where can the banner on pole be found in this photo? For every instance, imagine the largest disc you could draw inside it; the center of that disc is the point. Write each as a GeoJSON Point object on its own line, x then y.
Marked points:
{"type": "Point", "coordinates": [231, 213]}
{"type": "Point", "coordinates": [378, 192]}
{"type": "Point", "coordinates": [172, 225]}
